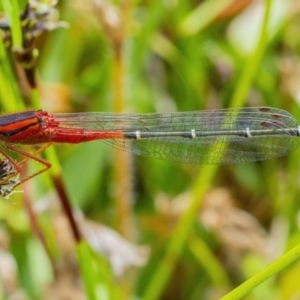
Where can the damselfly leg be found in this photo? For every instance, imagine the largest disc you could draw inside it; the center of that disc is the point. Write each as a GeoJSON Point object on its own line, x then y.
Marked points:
{"type": "Point", "coordinates": [11, 170]}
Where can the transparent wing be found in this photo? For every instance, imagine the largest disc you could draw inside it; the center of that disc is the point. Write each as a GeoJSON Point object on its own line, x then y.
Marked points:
{"type": "Point", "coordinates": [263, 133]}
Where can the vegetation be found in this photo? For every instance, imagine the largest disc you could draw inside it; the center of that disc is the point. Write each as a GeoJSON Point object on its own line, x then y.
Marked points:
{"type": "Point", "coordinates": [104, 224]}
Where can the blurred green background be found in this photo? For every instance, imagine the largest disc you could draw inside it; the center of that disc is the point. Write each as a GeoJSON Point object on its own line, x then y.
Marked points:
{"type": "Point", "coordinates": [154, 229]}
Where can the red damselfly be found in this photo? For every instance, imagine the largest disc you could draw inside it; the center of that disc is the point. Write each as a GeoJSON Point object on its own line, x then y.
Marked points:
{"type": "Point", "coordinates": [225, 136]}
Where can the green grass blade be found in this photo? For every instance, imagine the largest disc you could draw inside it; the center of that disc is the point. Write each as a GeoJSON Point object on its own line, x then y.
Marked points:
{"type": "Point", "coordinates": [266, 273]}
{"type": "Point", "coordinates": [12, 11]}
{"type": "Point", "coordinates": [246, 78]}
{"type": "Point", "coordinates": [202, 16]}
